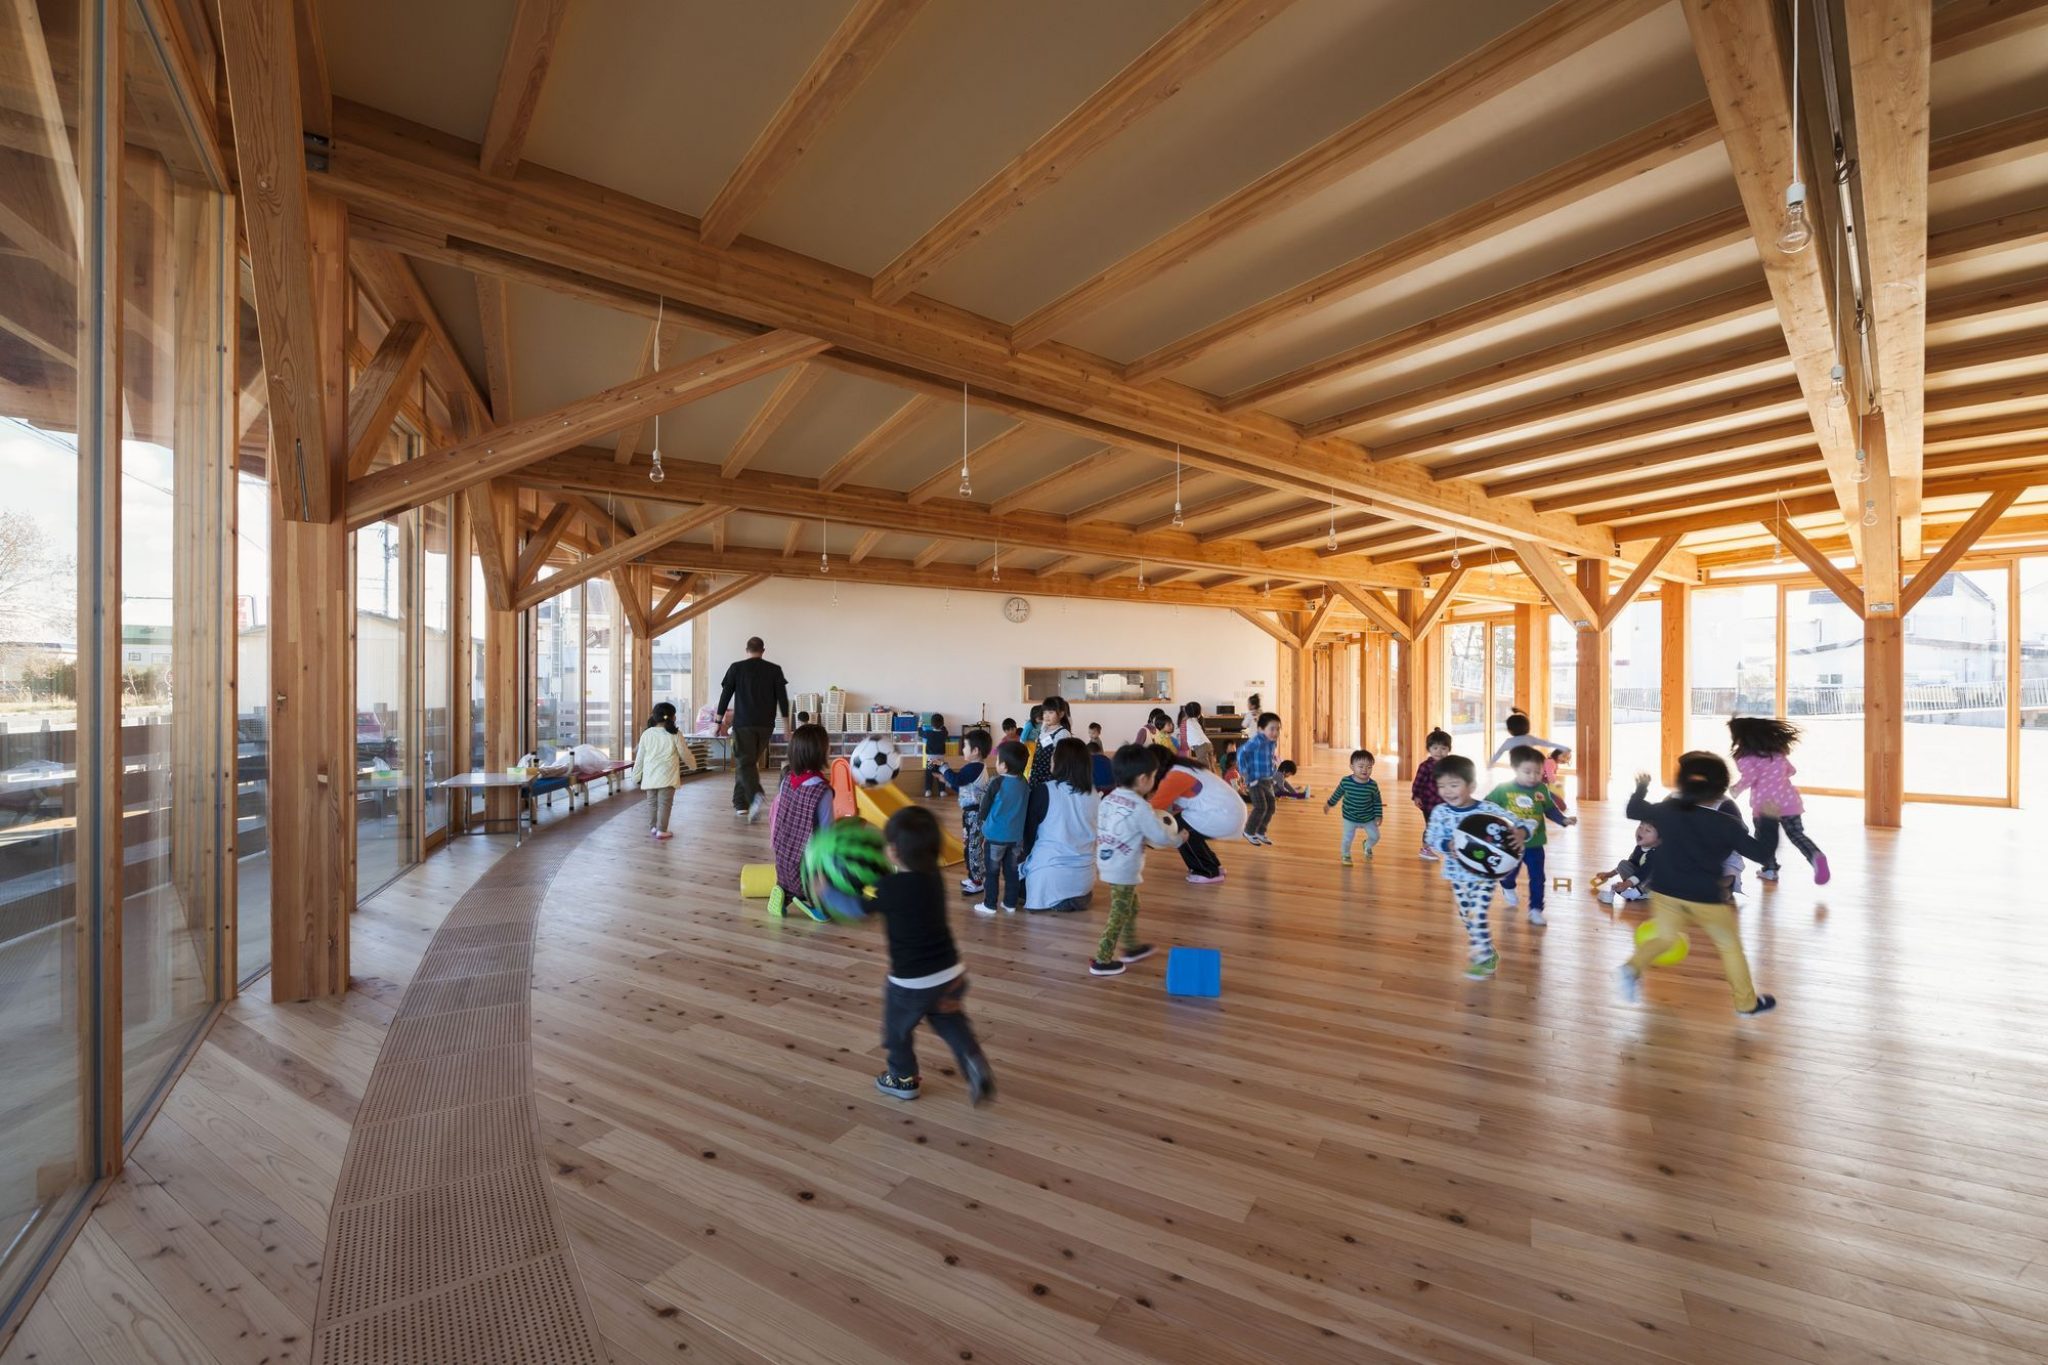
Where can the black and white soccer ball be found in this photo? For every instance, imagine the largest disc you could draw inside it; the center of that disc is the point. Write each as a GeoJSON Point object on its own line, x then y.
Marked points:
{"type": "Point", "coordinates": [874, 763]}
{"type": "Point", "coordinates": [1479, 844]}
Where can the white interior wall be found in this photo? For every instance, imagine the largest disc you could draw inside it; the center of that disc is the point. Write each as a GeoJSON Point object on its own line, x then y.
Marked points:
{"type": "Point", "coordinates": [927, 649]}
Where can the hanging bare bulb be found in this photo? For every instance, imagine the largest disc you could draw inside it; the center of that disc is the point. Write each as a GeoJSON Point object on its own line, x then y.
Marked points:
{"type": "Point", "coordinates": [1141, 576]}
{"type": "Point", "coordinates": [1838, 386]}
{"type": "Point", "coordinates": [1331, 543]}
{"type": "Point", "coordinates": [966, 483]}
{"type": "Point", "coordinates": [654, 474]}
{"type": "Point", "coordinates": [1870, 512]}
{"type": "Point", "coordinates": [824, 563]}
{"type": "Point", "coordinates": [1178, 520]}
{"type": "Point", "coordinates": [1862, 471]}
{"type": "Point", "coordinates": [1797, 233]}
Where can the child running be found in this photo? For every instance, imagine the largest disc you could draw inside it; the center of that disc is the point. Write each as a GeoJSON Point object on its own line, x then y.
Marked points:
{"type": "Point", "coordinates": [1423, 791]}
{"type": "Point", "coordinates": [1762, 746]}
{"type": "Point", "coordinates": [1257, 766]}
{"type": "Point", "coordinates": [658, 762]}
{"type": "Point", "coordinates": [1529, 800]}
{"type": "Point", "coordinates": [968, 782]}
{"type": "Point", "coordinates": [1693, 842]}
{"type": "Point", "coordinates": [1125, 825]}
{"type": "Point", "coordinates": [1360, 797]}
{"type": "Point", "coordinates": [1457, 783]}
{"type": "Point", "coordinates": [1518, 735]}
{"type": "Point", "coordinates": [1002, 829]}
{"type": "Point", "coordinates": [927, 980]}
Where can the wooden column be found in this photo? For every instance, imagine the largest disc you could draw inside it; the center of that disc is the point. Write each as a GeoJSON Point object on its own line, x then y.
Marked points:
{"type": "Point", "coordinates": [1532, 664]}
{"type": "Point", "coordinates": [643, 687]}
{"type": "Point", "coordinates": [1675, 614]}
{"type": "Point", "coordinates": [460, 657]}
{"type": "Point", "coordinates": [1375, 657]}
{"type": "Point", "coordinates": [312, 745]}
{"type": "Point", "coordinates": [1411, 708]}
{"type": "Point", "coordinates": [1884, 720]}
{"type": "Point", "coordinates": [502, 730]}
{"type": "Point", "coordinates": [1296, 700]}
{"type": "Point", "coordinates": [1596, 691]}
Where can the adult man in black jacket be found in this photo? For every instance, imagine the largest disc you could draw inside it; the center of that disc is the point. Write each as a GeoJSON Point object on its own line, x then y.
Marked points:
{"type": "Point", "coordinates": [753, 693]}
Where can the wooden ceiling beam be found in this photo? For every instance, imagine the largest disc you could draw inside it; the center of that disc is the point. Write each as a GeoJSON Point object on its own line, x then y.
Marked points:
{"type": "Point", "coordinates": [1115, 569]}
{"type": "Point", "coordinates": [1818, 564]}
{"type": "Point", "coordinates": [1639, 438]}
{"type": "Point", "coordinates": [1890, 53]}
{"type": "Point", "coordinates": [421, 188]}
{"type": "Point", "coordinates": [390, 281]}
{"type": "Point", "coordinates": [536, 25]}
{"type": "Point", "coordinates": [1967, 25]}
{"type": "Point", "coordinates": [1250, 527]}
{"type": "Point", "coordinates": [541, 543]}
{"type": "Point", "coordinates": [490, 529]}
{"type": "Point", "coordinates": [676, 592]}
{"type": "Point", "coordinates": [780, 407]}
{"type": "Point", "coordinates": [1793, 481]}
{"type": "Point", "coordinates": [879, 442]}
{"type": "Point", "coordinates": [1958, 544]}
{"type": "Point", "coordinates": [1375, 608]}
{"type": "Point", "coordinates": [1105, 508]}
{"type": "Point", "coordinates": [1303, 539]}
{"type": "Point", "coordinates": [316, 92]}
{"type": "Point", "coordinates": [705, 602]}
{"type": "Point", "coordinates": [1562, 186]}
{"type": "Point", "coordinates": [1151, 78]}
{"type": "Point", "coordinates": [1266, 623]}
{"type": "Point", "coordinates": [1208, 507]}
{"type": "Point", "coordinates": [1800, 460]}
{"type": "Point", "coordinates": [1556, 33]}
{"type": "Point", "coordinates": [1760, 511]}
{"type": "Point", "coordinates": [269, 130]}
{"type": "Point", "coordinates": [633, 584]}
{"type": "Point", "coordinates": [512, 446]}
{"type": "Point", "coordinates": [994, 450]}
{"type": "Point", "coordinates": [1988, 146]}
{"type": "Point", "coordinates": [790, 535]}
{"type": "Point", "coordinates": [931, 553]}
{"type": "Point", "coordinates": [494, 321]}
{"type": "Point", "coordinates": [880, 509]}
{"type": "Point", "coordinates": [1645, 568]}
{"type": "Point", "coordinates": [1742, 54]}
{"type": "Point", "coordinates": [1621, 340]}
{"type": "Point", "coordinates": [1092, 463]}
{"type": "Point", "coordinates": [718, 534]}
{"type": "Point", "coordinates": [380, 390]}
{"type": "Point", "coordinates": [1557, 585]}
{"type": "Point", "coordinates": [848, 58]}
{"type": "Point", "coordinates": [661, 335]}
{"type": "Point", "coordinates": [617, 554]}
{"type": "Point", "coordinates": [1439, 602]}
{"type": "Point", "coordinates": [865, 546]}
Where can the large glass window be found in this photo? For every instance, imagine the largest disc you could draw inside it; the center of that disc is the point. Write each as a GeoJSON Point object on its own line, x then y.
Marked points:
{"type": "Point", "coordinates": [1465, 666]}
{"type": "Point", "coordinates": [437, 756]}
{"type": "Point", "coordinates": [558, 669]}
{"type": "Point", "coordinates": [1503, 646]}
{"type": "Point", "coordinates": [42, 1159]}
{"type": "Point", "coordinates": [1824, 688]}
{"type": "Point", "coordinates": [1732, 646]}
{"type": "Point", "coordinates": [479, 613]}
{"type": "Point", "coordinates": [252, 717]}
{"type": "Point", "coordinates": [385, 842]}
{"type": "Point", "coordinates": [1564, 678]}
{"type": "Point", "coordinates": [1956, 677]}
{"type": "Point", "coordinates": [2033, 699]}
{"type": "Point", "coordinates": [601, 640]}
{"type": "Point", "coordinates": [1636, 658]}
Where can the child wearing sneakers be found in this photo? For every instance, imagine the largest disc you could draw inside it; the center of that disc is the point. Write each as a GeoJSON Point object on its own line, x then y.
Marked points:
{"type": "Point", "coordinates": [1457, 783]}
{"type": "Point", "coordinates": [1630, 878]}
{"type": "Point", "coordinates": [1518, 735]}
{"type": "Point", "coordinates": [1257, 764]}
{"type": "Point", "coordinates": [1283, 782]}
{"type": "Point", "coordinates": [1125, 825]}
{"type": "Point", "coordinates": [1763, 757]}
{"type": "Point", "coordinates": [927, 980]}
{"type": "Point", "coordinates": [1360, 797]}
{"type": "Point", "coordinates": [1423, 791]}
{"type": "Point", "coordinates": [968, 782]}
{"type": "Point", "coordinates": [1002, 828]}
{"type": "Point", "coordinates": [1529, 800]}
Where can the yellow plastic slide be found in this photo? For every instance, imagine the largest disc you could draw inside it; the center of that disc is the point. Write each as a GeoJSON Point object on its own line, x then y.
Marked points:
{"type": "Point", "coordinates": [877, 804]}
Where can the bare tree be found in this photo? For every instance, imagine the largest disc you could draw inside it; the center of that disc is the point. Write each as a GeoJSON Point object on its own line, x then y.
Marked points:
{"type": "Point", "coordinates": [35, 581]}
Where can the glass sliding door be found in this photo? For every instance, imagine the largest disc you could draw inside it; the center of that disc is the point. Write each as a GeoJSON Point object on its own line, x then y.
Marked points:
{"type": "Point", "coordinates": [1956, 676]}
{"type": "Point", "coordinates": [1636, 657]}
{"type": "Point", "coordinates": [602, 628]}
{"type": "Point", "coordinates": [2031, 708]}
{"type": "Point", "coordinates": [1823, 686]}
{"type": "Point", "coordinates": [1465, 666]}
{"type": "Point", "coordinates": [386, 841]}
{"type": "Point", "coordinates": [44, 1108]}
{"type": "Point", "coordinates": [1732, 648]}
{"type": "Point", "coordinates": [173, 557]}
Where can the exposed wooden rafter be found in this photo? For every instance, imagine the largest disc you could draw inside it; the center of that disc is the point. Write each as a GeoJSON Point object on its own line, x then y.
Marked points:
{"type": "Point", "coordinates": [381, 389]}
{"type": "Point", "coordinates": [536, 25]}
{"type": "Point", "coordinates": [788, 395]}
{"type": "Point", "coordinates": [879, 442]}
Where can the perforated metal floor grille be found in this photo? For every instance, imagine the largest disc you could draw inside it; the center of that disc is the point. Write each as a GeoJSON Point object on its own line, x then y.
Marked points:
{"type": "Point", "coordinates": [443, 1246]}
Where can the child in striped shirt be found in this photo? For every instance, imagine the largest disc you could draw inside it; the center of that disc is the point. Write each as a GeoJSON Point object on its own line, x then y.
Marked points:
{"type": "Point", "coordinates": [1361, 798]}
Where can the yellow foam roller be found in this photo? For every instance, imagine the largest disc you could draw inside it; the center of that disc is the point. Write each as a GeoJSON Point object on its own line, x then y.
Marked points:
{"type": "Point", "coordinates": [756, 879]}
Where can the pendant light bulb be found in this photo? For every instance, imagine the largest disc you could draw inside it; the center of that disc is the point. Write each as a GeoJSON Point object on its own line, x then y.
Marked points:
{"type": "Point", "coordinates": [966, 482]}
{"type": "Point", "coordinates": [1141, 575]}
{"type": "Point", "coordinates": [654, 474]}
{"type": "Point", "coordinates": [1862, 473]}
{"type": "Point", "coordinates": [1838, 387]}
{"type": "Point", "coordinates": [1178, 520]}
{"type": "Point", "coordinates": [1797, 233]}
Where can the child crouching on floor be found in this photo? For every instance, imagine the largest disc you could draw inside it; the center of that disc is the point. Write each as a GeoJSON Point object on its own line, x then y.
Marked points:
{"type": "Point", "coordinates": [1283, 783]}
{"type": "Point", "coordinates": [803, 806]}
{"type": "Point", "coordinates": [1629, 880]}
{"type": "Point", "coordinates": [927, 980]}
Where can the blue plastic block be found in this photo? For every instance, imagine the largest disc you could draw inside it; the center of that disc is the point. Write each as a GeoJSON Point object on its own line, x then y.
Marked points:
{"type": "Point", "coordinates": [1194, 971]}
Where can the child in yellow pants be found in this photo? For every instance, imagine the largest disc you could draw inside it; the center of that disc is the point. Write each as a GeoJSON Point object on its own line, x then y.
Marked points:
{"type": "Point", "coordinates": [1694, 839]}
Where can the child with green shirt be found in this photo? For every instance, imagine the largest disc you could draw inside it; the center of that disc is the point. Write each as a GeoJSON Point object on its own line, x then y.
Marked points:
{"type": "Point", "coordinates": [1529, 798]}
{"type": "Point", "coordinates": [1361, 798]}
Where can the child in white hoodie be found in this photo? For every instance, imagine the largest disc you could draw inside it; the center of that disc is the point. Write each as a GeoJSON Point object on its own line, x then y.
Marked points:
{"type": "Point", "coordinates": [658, 763]}
{"type": "Point", "coordinates": [1125, 825]}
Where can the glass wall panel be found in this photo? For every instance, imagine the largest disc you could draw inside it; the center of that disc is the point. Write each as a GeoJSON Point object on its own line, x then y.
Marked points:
{"type": "Point", "coordinates": [42, 1116]}
{"type": "Point", "coordinates": [437, 758]}
{"type": "Point", "coordinates": [173, 557]}
{"type": "Point", "coordinates": [1504, 646]}
{"type": "Point", "coordinates": [1564, 678]}
{"type": "Point", "coordinates": [252, 715]}
{"type": "Point", "coordinates": [601, 632]}
{"type": "Point", "coordinates": [385, 692]}
{"type": "Point", "coordinates": [479, 612]}
{"type": "Point", "coordinates": [1636, 648]}
{"type": "Point", "coordinates": [1732, 644]}
{"type": "Point", "coordinates": [1824, 689]}
{"type": "Point", "coordinates": [558, 669]}
{"type": "Point", "coordinates": [2033, 701]}
{"type": "Point", "coordinates": [629, 724]}
{"type": "Point", "coordinates": [1955, 687]}
{"type": "Point", "coordinates": [1465, 664]}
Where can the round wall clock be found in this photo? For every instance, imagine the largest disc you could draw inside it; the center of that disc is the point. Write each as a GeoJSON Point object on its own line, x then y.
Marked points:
{"type": "Point", "coordinates": [1017, 609]}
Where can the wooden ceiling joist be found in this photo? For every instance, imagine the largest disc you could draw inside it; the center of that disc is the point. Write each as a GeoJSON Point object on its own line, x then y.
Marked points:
{"type": "Point", "coordinates": [672, 597]}
{"type": "Point", "coordinates": [879, 509]}
{"type": "Point", "coordinates": [423, 189]}
{"type": "Point", "coordinates": [1152, 78]}
{"type": "Point", "coordinates": [855, 49]}
{"type": "Point", "coordinates": [516, 444]}
{"type": "Point", "coordinates": [781, 404]}
{"type": "Point", "coordinates": [1818, 564]}
{"type": "Point", "coordinates": [1760, 511]}
{"type": "Point", "coordinates": [1266, 623]}
{"type": "Point", "coordinates": [270, 152]}
{"type": "Point", "coordinates": [1959, 543]}
{"type": "Point", "coordinates": [1967, 25]}
{"type": "Point", "coordinates": [1087, 466]}
{"type": "Point", "coordinates": [1561, 187]}
{"type": "Point", "coordinates": [879, 442]}
{"type": "Point", "coordinates": [995, 450]}
{"type": "Point", "coordinates": [1557, 585]}
{"type": "Point", "coordinates": [494, 322]}
{"type": "Point", "coordinates": [1250, 528]}
{"type": "Point", "coordinates": [865, 546]}
{"type": "Point", "coordinates": [1375, 608]}
{"type": "Point", "coordinates": [1533, 47]}
{"type": "Point", "coordinates": [541, 543]}
{"type": "Point", "coordinates": [618, 553]}
{"type": "Point", "coordinates": [718, 597]}
{"type": "Point", "coordinates": [390, 281]}
{"type": "Point", "coordinates": [1890, 49]}
{"type": "Point", "coordinates": [1106, 507]}
{"type": "Point", "coordinates": [661, 336]}
{"type": "Point", "coordinates": [790, 535]}
{"type": "Point", "coordinates": [1742, 54]}
{"type": "Point", "coordinates": [536, 25]}
{"type": "Point", "coordinates": [931, 553]}
{"type": "Point", "coordinates": [380, 390]}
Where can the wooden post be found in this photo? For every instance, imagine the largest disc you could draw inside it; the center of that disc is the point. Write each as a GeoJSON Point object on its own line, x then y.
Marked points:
{"type": "Point", "coordinates": [643, 686]}
{"type": "Point", "coordinates": [501, 674]}
{"type": "Point", "coordinates": [1532, 664]}
{"type": "Point", "coordinates": [1596, 690]}
{"type": "Point", "coordinates": [1675, 701]}
{"type": "Point", "coordinates": [1884, 721]}
{"type": "Point", "coordinates": [1296, 700]}
{"type": "Point", "coordinates": [312, 751]}
{"type": "Point", "coordinates": [460, 657]}
{"type": "Point", "coordinates": [1411, 688]}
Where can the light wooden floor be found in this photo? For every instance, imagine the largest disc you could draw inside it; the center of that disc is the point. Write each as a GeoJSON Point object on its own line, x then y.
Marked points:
{"type": "Point", "coordinates": [1354, 1156]}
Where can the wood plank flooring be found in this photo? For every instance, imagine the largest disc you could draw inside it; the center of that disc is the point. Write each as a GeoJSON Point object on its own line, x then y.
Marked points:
{"type": "Point", "coordinates": [1354, 1155]}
